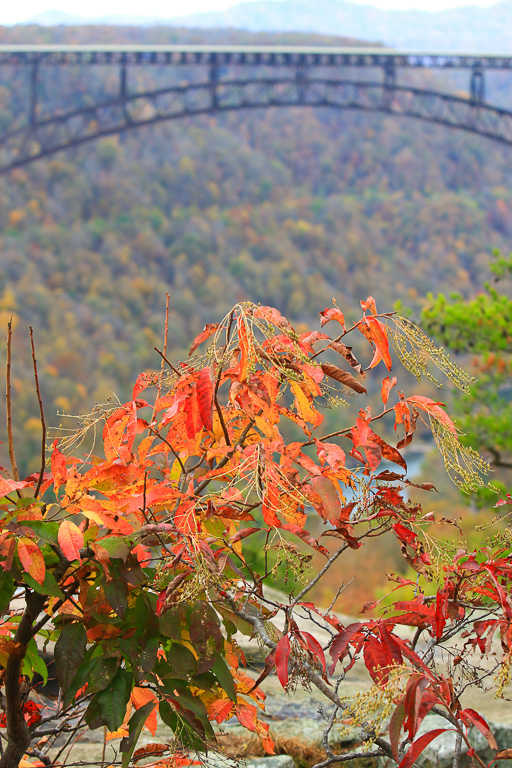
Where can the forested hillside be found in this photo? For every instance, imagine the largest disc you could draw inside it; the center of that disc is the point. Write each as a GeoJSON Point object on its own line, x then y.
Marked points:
{"type": "Point", "coordinates": [281, 206]}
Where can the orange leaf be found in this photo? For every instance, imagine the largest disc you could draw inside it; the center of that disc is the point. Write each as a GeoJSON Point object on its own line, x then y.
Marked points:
{"type": "Point", "coordinates": [380, 339]}
{"type": "Point", "coordinates": [71, 540]}
{"type": "Point", "coordinates": [185, 519]}
{"type": "Point", "coordinates": [220, 710]}
{"type": "Point", "coordinates": [31, 559]}
{"type": "Point", "coordinates": [141, 696]}
{"type": "Point", "coordinates": [304, 407]}
{"type": "Point", "coordinates": [271, 505]}
{"type": "Point", "coordinates": [433, 409]}
{"type": "Point", "coordinates": [59, 471]}
{"type": "Point", "coordinates": [246, 714]}
{"type": "Point", "coordinates": [369, 304]}
{"type": "Point", "coordinates": [243, 339]}
{"type": "Point", "coordinates": [333, 313]}
{"type": "Point", "coordinates": [204, 393]}
{"type": "Point", "coordinates": [387, 386]}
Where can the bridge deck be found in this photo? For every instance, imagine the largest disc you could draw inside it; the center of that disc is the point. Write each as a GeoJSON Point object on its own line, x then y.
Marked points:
{"type": "Point", "coordinates": [249, 55]}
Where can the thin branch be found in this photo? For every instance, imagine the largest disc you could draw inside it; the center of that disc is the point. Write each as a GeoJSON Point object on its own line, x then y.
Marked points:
{"type": "Point", "coordinates": [319, 575]}
{"type": "Point", "coordinates": [41, 413]}
{"type": "Point", "coordinates": [162, 355]}
{"type": "Point", "coordinates": [350, 756]}
{"type": "Point", "coordinates": [12, 457]}
{"type": "Point", "coordinates": [161, 437]}
{"type": "Point", "coordinates": [219, 411]}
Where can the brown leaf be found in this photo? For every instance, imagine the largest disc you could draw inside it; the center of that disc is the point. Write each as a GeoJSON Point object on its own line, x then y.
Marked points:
{"type": "Point", "coordinates": [346, 352]}
{"type": "Point", "coordinates": [343, 377]}
{"type": "Point", "coordinates": [504, 754]}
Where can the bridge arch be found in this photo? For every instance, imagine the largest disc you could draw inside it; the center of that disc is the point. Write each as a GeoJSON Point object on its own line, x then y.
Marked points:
{"type": "Point", "coordinates": [125, 112]}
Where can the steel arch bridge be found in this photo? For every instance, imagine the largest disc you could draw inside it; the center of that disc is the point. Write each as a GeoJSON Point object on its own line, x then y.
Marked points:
{"type": "Point", "coordinates": [241, 77]}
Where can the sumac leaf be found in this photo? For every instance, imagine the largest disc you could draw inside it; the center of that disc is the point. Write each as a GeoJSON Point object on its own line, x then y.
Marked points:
{"type": "Point", "coordinates": [282, 656]}
{"type": "Point", "coordinates": [71, 540]}
{"type": "Point", "coordinates": [343, 377]}
{"type": "Point", "coordinates": [69, 653]}
{"type": "Point", "coordinates": [419, 745]}
{"type": "Point", "coordinates": [32, 559]}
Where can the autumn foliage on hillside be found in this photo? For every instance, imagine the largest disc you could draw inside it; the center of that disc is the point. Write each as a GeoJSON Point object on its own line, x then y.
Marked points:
{"type": "Point", "coordinates": [132, 559]}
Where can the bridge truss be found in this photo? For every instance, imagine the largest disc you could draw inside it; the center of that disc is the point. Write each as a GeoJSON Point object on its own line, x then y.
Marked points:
{"type": "Point", "coordinates": [221, 79]}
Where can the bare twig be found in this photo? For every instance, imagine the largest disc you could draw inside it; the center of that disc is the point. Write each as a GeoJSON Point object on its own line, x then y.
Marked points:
{"type": "Point", "coordinates": [41, 413]}
{"type": "Point", "coordinates": [12, 457]}
{"type": "Point", "coordinates": [162, 355]}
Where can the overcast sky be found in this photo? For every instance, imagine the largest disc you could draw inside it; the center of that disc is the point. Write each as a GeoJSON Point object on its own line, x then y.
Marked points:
{"type": "Point", "coordinates": [11, 13]}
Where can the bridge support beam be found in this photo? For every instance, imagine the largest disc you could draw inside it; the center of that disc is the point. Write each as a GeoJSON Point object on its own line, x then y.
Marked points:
{"type": "Point", "coordinates": [32, 104]}
{"type": "Point", "coordinates": [389, 84]}
{"type": "Point", "coordinates": [477, 86]}
{"type": "Point", "coordinates": [214, 81]}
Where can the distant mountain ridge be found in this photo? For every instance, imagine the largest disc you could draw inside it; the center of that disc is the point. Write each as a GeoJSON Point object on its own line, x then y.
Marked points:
{"type": "Point", "coordinates": [486, 30]}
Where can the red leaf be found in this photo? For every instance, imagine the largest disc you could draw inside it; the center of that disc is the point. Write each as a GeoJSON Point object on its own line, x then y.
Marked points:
{"type": "Point", "coordinates": [315, 648]}
{"type": "Point", "coordinates": [404, 534]}
{"type": "Point", "coordinates": [207, 331]}
{"type": "Point", "coordinates": [282, 656]}
{"type": "Point", "coordinates": [143, 381]}
{"type": "Point", "coordinates": [342, 641]}
{"type": "Point", "coordinates": [377, 659]}
{"type": "Point", "coordinates": [417, 748]}
{"type": "Point", "coordinates": [71, 540]}
{"type": "Point", "coordinates": [333, 313]}
{"type": "Point", "coordinates": [395, 726]}
{"type": "Point", "coordinates": [31, 559]}
{"type": "Point", "coordinates": [193, 421]}
{"type": "Point", "coordinates": [387, 386]}
{"type": "Point", "coordinates": [204, 392]}
{"type": "Point", "coordinates": [476, 719]}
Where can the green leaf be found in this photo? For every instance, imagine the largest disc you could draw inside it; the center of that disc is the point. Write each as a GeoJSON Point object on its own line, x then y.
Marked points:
{"type": "Point", "coordinates": [113, 700]}
{"type": "Point", "coordinates": [169, 624]}
{"type": "Point", "coordinates": [182, 662]}
{"type": "Point", "coordinates": [33, 663]}
{"type": "Point", "coordinates": [221, 671]}
{"type": "Point", "coordinates": [81, 678]}
{"type": "Point", "coordinates": [205, 635]}
{"type": "Point", "coordinates": [187, 735]}
{"type": "Point", "coordinates": [116, 592]}
{"type": "Point", "coordinates": [117, 548]}
{"type": "Point", "coordinates": [135, 726]}
{"type": "Point", "coordinates": [48, 531]}
{"type": "Point", "coordinates": [102, 672]}
{"type": "Point", "coordinates": [7, 588]}
{"type": "Point", "coordinates": [69, 652]}
{"type": "Point", "coordinates": [48, 587]}
{"type": "Point", "coordinates": [147, 659]}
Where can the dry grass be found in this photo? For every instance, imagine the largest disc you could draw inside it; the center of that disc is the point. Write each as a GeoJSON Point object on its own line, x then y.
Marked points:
{"type": "Point", "coordinates": [238, 747]}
